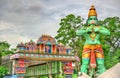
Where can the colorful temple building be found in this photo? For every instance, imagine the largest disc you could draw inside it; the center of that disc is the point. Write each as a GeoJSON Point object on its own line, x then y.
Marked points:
{"type": "Point", "coordinates": [42, 59]}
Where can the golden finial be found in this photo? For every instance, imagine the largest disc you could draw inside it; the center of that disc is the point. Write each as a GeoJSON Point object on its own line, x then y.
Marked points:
{"type": "Point", "coordinates": [92, 11]}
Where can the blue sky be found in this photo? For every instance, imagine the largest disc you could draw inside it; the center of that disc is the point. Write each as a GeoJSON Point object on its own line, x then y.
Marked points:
{"type": "Point", "coordinates": [23, 20]}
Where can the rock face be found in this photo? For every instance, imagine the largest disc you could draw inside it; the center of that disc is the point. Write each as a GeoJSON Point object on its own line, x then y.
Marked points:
{"type": "Point", "coordinates": [83, 76]}
{"type": "Point", "coordinates": [113, 72]}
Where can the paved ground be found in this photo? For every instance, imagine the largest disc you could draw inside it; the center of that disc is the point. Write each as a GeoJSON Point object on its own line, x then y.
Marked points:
{"type": "Point", "coordinates": [113, 72]}
{"type": "Point", "coordinates": [84, 76]}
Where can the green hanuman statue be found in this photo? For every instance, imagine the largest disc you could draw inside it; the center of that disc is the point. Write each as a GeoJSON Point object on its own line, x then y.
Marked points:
{"type": "Point", "coordinates": [93, 55]}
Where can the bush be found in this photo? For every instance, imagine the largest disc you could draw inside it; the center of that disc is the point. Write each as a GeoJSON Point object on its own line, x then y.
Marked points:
{"type": "Point", "coordinates": [3, 71]}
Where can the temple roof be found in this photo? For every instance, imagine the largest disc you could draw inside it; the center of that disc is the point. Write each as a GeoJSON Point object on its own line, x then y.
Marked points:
{"type": "Point", "coordinates": [21, 44]}
{"type": "Point", "coordinates": [31, 42]}
{"type": "Point", "coordinates": [46, 39]}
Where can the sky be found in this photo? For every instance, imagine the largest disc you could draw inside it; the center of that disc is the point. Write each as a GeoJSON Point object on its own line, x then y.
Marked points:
{"type": "Point", "coordinates": [25, 20]}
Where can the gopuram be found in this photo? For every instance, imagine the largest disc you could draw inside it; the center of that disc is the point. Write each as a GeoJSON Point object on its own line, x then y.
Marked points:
{"type": "Point", "coordinates": [93, 55]}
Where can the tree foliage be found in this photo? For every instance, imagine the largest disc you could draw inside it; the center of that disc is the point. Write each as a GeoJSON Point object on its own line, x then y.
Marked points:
{"type": "Point", "coordinates": [5, 49]}
{"type": "Point", "coordinates": [67, 32]}
{"type": "Point", "coordinates": [111, 60]}
{"type": "Point", "coordinates": [113, 24]}
{"type": "Point", "coordinates": [3, 71]}
{"type": "Point", "coordinates": [111, 44]}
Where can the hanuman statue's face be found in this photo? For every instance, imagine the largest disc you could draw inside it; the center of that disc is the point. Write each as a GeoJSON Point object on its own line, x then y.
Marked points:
{"type": "Point", "coordinates": [92, 20]}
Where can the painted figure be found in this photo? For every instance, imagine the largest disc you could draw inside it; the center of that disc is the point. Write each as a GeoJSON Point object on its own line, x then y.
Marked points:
{"type": "Point", "coordinates": [92, 55]}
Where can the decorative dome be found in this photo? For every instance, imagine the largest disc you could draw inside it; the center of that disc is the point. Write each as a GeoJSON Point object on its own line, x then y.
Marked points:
{"type": "Point", "coordinates": [60, 44]}
{"type": "Point", "coordinates": [31, 42]}
{"type": "Point", "coordinates": [45, 39]}
{"type": "Point", "coordinates": [92, 11]}
{"type": "Point", "coordinates": [21, 45]}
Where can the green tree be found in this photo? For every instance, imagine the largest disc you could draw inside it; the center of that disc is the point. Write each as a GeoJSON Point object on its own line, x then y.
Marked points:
{"type": "Point", "coordinates": [67, 32]}
{"type": "Point", "coordinates": [5, 50]}
{"type": "Point", "coordinates": [112, 60]}
{"type": "Point", "coordinates": [111, 44]}
{"type": "Point", "coordinates": [113, 24]}
{"type": "Point", "coordinates": [3, 71]}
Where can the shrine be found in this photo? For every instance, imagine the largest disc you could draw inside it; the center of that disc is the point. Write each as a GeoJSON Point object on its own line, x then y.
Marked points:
{"type": "Point", "coordinates": [42, 59]}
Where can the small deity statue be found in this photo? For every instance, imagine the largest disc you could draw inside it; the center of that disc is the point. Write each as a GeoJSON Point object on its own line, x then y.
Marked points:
{"type": "Point", "coordinates": [47, 49]}
{"type": "Point", "coordinates": [93, 55]}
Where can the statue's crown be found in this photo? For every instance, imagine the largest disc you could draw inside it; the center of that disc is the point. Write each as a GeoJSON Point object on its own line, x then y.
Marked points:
{"type": "Point", "coordinates": [92, 11]}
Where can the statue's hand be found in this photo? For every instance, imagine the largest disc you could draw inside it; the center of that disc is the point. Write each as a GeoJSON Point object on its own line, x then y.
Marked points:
{"type": "Point", "coordinates": [89, 30]}
{"type": "Point", "coordinates": [96, 30]}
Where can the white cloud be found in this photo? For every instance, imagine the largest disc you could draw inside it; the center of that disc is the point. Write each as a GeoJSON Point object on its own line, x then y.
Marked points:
{"type": "Point", "coordinates": [23, 20]}
{"type": "Point", "coordinates": [8, 33]}
{"type": "Point", "coordinates": [13, 39]}
{"type": "Point", "coordinates": [4, 25]}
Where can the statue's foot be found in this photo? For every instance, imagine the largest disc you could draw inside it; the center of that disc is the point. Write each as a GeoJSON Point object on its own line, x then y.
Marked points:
{"type": "Point", "coordinates": [82, 75]}
{"type": "Point", "coordinates": [79, 73]}
{"type": "Point", "coordinates": [97, 74]}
